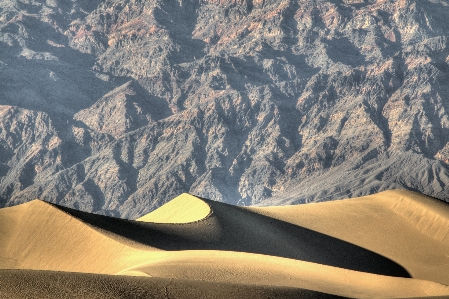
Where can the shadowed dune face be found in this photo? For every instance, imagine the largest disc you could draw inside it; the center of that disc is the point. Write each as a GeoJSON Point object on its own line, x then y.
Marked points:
{"type": "Point", "coordinates": [381, 246]}
{"type": "Point", "coordinates": [278, 238]}
{"type": "Point", "coordinates": [233, 228]}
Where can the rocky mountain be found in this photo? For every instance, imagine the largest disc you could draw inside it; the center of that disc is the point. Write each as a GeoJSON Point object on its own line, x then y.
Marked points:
{"type": "Point", "coordinates": [116, 106]}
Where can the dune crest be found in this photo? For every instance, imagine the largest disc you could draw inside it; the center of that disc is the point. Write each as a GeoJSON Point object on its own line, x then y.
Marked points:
{"type": "Point", "coordinates": [185, 208]}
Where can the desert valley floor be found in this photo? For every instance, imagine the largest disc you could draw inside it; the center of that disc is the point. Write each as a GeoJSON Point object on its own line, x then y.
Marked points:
{"type": "Point", "coordinates": [393, 244]}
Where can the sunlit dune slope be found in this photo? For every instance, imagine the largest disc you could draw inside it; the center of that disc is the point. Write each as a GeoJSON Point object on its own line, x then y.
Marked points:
{"type": "Point", "coordinates": [37, 235]}
{"type": "Point", "coordinates": [371, 247]}
{"type": "Point", "coordinates": [236, 267]}
{"type": "Point", "coordinates": [182, 209]}
{"type": "Point", "coordinates": [406, 227]}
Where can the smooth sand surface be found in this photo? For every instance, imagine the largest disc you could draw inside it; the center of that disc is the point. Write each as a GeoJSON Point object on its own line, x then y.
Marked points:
{"type": "Point", "coordinates": [406, 227]}
{"type": "Point", "coordinates": [390, 245]}
{"type": "Point", "coordinates": [39, 236]}
{"type": "Point", "coordinates": [182, 209]}
{"type": "Point", "coordinates": [252, 269]}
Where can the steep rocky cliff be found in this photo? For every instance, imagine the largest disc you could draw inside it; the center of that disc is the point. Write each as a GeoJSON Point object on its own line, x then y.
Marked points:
{"type": "Point", "coordinates": [116, 106]}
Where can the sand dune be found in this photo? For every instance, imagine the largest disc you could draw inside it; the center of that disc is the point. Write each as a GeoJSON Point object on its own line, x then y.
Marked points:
{"type": "Point", "coordinates": [257, 269]}
{"type": "Point", "coordinates": [390, 245]}
{"type": "Point", "coordinates": [406, 227]}
{"type": "Point", "coordinates": [39, 236]}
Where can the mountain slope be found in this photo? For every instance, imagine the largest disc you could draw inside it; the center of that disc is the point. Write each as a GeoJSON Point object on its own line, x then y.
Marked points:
{"type": "Point", "coordinates": [240, 101]}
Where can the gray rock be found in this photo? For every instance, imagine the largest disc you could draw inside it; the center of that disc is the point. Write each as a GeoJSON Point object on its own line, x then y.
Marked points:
{"type": "Point", "coordinates": [117, 106]}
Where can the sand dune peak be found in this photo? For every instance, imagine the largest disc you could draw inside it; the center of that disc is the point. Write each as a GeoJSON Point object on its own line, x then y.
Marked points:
{"type": "Point", "coordinates": [183, 209]}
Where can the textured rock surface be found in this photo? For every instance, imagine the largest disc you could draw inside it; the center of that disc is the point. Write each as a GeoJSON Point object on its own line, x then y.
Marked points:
{"type": "Point", "coordinates": [115, 107]}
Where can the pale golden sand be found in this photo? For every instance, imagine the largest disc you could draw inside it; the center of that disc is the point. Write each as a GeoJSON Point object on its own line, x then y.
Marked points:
{"type": "Point", "coordinates": [406, 227]}
{"type": "Point", "coordinates": [183, 209]}
{"type": "Point", "coordinates": [39, 236]}
{"type": "Point", "coordinates": [253, 269]}
{"type": "Point", "coordinates": [359, 248]}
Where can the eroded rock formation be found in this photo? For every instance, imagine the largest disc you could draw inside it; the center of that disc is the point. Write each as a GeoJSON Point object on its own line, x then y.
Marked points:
{"type": "Point", "coordinates": [116, 106]}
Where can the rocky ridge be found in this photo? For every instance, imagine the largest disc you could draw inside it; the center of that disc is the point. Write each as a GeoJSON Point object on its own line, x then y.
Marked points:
{"type": "Point", "coordinates": [116, 106]}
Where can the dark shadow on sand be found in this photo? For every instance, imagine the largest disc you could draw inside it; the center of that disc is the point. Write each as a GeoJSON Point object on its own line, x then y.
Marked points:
{"type": "Point", "coordinates": [241, 230]}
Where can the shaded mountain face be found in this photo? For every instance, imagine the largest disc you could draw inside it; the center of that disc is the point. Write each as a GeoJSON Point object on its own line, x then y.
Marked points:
{"type": "Point", "coordinates": [116, 106]}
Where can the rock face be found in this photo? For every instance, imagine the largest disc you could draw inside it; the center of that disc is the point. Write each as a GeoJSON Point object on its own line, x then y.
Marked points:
{"type": "Point", "coordinates": [116, 106]}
